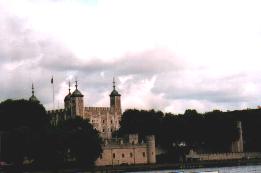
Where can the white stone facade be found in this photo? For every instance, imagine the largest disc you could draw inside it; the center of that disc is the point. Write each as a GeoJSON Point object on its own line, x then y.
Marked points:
{"type": "Point", "coordinates": [104, 119]}
{"type": "Point", "coordinates": [120, 152]}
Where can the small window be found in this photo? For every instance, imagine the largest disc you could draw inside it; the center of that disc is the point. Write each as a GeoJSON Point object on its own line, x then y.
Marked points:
{"type": "Point", "coordinates": [93, 121]}
{"type": "Point", "coordinates": [152, 153]}
{"type": "Point", "coordinates": [122, 155]}
{"type": "Point", "coordinates": [144, 155]}
{"type": "Point", "coordinates": [101, 156]}
{"type": "Point", "coordinates": [130, 154]}
{"type": "Point", "coordinates": [111, 121]}
{"type": "Point", "coordinates": [103, 130]}
{"type": "Point", "coordinates": [113, 155]}
{"type": "Point", "coordinates": [103, 121]}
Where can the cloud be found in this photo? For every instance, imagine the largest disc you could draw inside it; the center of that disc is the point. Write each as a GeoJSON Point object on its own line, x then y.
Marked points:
{"type": "Point", "coordinates": [184, 56]}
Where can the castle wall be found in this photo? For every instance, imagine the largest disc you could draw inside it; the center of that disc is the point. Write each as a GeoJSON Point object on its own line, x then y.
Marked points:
{"type": "Point", "coordinates": [103, 119]}
{"type": "Point", "coordinates": [57, 116]}
{"type": "Point", "coordinates": [117, 155]}
{"type": "Point", "coordinates": [222, 156]}
{"type": "Point", "coordinates": [117, 152]}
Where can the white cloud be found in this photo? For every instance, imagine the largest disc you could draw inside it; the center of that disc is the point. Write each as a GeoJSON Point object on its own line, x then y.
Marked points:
{"type": "Point", "coordinates": [161, 51]}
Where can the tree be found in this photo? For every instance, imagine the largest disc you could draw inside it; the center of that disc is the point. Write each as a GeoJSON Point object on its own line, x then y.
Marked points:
{"type": "Point", "coordinates": [19, 121]}
{"type": "Point", "coordinates": [141, 122]}
{"type": "Point", "coordinates": [81, 141]}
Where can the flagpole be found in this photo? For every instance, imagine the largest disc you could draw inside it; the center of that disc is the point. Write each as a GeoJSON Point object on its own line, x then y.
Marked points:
{"type": "Point", "coordinates": [53, 90]}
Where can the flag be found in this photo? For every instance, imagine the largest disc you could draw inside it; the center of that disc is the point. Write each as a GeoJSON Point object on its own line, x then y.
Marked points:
{"type": "Point", "coordinates": [52, 80]}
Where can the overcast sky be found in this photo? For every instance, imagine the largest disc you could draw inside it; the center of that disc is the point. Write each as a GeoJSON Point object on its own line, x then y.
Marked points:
{"type": "Point", "coordinates": [165, 54]}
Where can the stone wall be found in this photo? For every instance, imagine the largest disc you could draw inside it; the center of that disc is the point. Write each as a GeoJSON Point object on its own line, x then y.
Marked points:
{"type": "Point", "coordinates": [102, 119]}
{"type": "Point", "coordinates": [221, 156]}
{"type": "Point", "coordinates": [127, 151]}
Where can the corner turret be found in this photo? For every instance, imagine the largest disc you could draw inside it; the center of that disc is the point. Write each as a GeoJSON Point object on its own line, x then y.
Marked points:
{"type": "Point", "coordinates": [67, 99]}
{"type": "Point", "coordinates": [115, 99]}
{"type": "Point", "coordinates": [77, 102]}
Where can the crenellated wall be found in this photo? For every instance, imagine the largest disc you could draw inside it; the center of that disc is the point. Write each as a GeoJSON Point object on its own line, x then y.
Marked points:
{"type": "Point", "coordinates": [126, 151]}
{"type": "Point", "coordinates": [221, 156]}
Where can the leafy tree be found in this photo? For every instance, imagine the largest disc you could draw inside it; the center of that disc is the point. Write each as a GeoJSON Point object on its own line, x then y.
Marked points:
{"type": "Point", "coordinates": [141, 122]}
{"type": "Point", "coordinates": [19, 120]}
{"type": "Point", "coordinates": [80, 140]}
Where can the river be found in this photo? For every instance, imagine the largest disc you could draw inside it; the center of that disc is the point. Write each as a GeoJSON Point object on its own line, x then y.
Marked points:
{"type": "Point", "coordinates": [237, 169]}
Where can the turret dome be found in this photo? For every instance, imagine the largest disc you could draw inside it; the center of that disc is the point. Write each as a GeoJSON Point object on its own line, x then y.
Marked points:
{"type": "Point", "coordinates": [114, 91]}
{"type": "Point", "coordinates": [68, 97]}
{"type": "Point", "coordinates": [76, 92]}
{"type": "Point", "coordinates": [33, 98]}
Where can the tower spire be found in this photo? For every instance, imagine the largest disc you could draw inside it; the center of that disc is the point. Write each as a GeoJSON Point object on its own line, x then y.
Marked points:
{"type": "Point", "coordinates": [76, 84]}
{"type": "Point", "coordinates": [32, 89]}
{"type": "Point", "coordinates": [69, 87]}
{"type": "Point", "coordinates": [113, 82]}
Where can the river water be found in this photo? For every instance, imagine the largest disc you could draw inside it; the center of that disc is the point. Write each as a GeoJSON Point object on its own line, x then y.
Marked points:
{"type": "Point", "coordinates": [237, 169]}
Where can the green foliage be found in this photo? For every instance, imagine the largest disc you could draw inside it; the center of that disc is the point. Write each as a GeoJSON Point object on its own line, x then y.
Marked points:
{"type": "Point", "coordinates": [81, 140]}
{"type": "Point", "coordinates": [210, 132]}
{"type": "Point", "coordinates": [26, 133]}
{"type": "Point", "coordinates": [19, 121]}
{"type": "Point", "coordinates": [20, 113]}
{"type": "Point", "coordinates": [142, 122]}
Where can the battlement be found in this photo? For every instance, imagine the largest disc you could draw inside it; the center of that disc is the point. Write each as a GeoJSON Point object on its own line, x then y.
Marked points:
{"type": "Point", "coordinates": [130, 140]}
{"type": "Point", "coordinates": [128, 150]}
{"type": "Point", "coordinates": [96, 108]}
{"type": "Point", "coordinates": [56, 111]}
{"type": "Point", "coordinates": [221, 156]}
{"type": "Point", "coordinates": [120, 143]}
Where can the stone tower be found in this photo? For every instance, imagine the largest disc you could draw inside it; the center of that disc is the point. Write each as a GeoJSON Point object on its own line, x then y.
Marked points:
{"type": "Point", "coordinates": [67, 99]}
{"type": "Point", "coordinates": [151, 155]}
{"type": "Point", "coordinates": [237, 146]}
{"type": "Point", "coordinates": [115, 106]}
{"type": "Point", "coordinates": [77, 102]}
{"type": "Point", "coordinates": [115, 99]}
{"type": "Point", "coordinates": [68, 104]}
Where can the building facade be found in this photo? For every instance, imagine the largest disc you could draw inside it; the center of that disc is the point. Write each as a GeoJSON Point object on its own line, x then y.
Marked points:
{"type": "Point", "coordinates": [116, 151]}
{"type": "Point", "coordinates": [104, 119]}
{"type": "Point", "coordinates": [127, 151]}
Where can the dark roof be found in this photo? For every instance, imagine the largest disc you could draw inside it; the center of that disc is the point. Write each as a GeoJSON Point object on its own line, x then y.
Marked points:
{"type": "Point", "coordinates": [68, 97]}
{"type": "Point", "coordinates": [114, 93]}
{"type": "Point", "coordinates": [76, 93]}
{"type": "Point", "coordinates": [33, 99]}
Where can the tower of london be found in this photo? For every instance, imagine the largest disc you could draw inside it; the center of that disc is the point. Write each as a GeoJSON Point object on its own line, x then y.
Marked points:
{"type": "Point", "coordinates": [104, 119]}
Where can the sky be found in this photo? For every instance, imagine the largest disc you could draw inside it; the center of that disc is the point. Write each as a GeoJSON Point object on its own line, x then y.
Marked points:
{"type": "Point", "coordinates": [166, 55]}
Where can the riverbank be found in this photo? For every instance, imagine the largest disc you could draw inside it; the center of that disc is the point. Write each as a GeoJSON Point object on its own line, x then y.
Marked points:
{"type": "Point", "coordinates": [137, 168]}
{"type": "Point", "coordinates": [192, 165]}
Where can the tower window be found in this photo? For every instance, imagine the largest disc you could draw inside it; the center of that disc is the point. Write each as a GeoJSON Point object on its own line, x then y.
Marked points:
{"type": "Point", "coordinates": [130, 154]}
{"type": "Point", "coordinates": [113, 155]}
{"type": "Point", "coordinates": [122, 155]}
{"type": "Point", "coordinates": [103, 130]}
{"type": "Point", "coordinates": [144, 155]}
{"type": "Point", "coordinates": [103, 121]}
